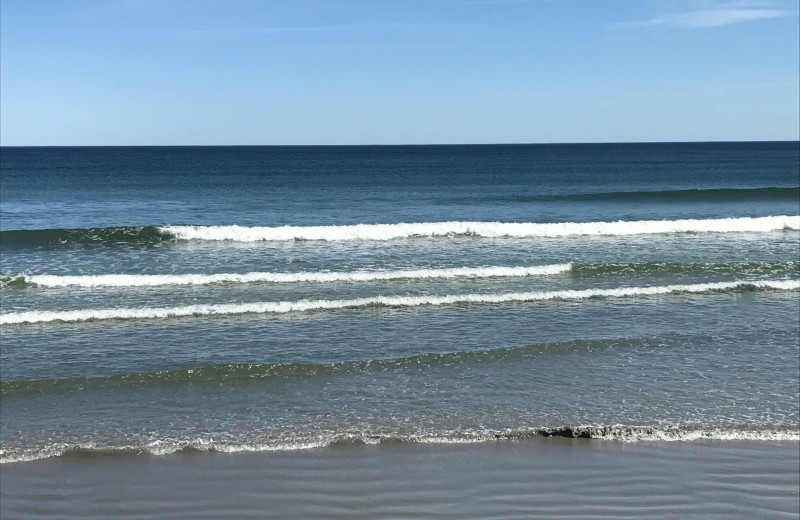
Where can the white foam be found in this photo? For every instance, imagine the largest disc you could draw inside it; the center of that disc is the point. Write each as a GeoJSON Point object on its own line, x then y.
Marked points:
{"type": "Point", "coordinates": [620, 433]}
{"type": "Point", "coordinates": [281, 307]}
{"type": "Point", "coordinates": [140, 280]}
{"type": "Point", "coordinates": [647, 435]}
{"type": "Point", "coordinates": [482, 229]}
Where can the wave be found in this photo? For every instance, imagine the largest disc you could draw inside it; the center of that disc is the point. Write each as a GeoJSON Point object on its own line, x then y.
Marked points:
{"type": "Point", "coordinates": [145, 235]}
{"type": "Point", "coordinates": [282, 307]}
{"type": "Point", "coordinates": [141, 280]}
{"type": "Point", "coordinates": [111, 236]}
{"type": "Point", "coordinates": [679, 268]}
{"type": "Point", "coordinates": [244, 373]}
{"type": "Point", "coordinates": [617, 432]}
{"type": "Point", "coordinates": [788, 194]}
{"type": "Point", "coordinates": [482, 229]}
{"type": "Point", "coordinates": [576, 269]}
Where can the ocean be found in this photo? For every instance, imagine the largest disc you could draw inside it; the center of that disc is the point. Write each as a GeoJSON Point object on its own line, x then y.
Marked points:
{"type": "Point", "coordinates": [257, 311]}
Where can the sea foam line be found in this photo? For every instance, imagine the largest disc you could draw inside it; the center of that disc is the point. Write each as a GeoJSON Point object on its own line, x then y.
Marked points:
{"type": "Point", "coordinates": [141, 280]}
{"type": "Point", "coordinates": [282, 307]}
{"type": "Point", "coordinates": [616, 433]}
{"type": "Point", "coordinates": [482, 229]}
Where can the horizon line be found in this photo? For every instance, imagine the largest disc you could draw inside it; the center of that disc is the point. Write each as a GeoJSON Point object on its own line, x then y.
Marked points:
{"type": "Point", "coordinates": [391, 144]}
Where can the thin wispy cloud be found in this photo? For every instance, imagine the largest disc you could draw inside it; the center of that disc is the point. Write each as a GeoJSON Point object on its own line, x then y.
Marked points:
{"type": "Point", "coordinates": [713, 17]}
{"type": "Point", "coordinates": [709, 14]}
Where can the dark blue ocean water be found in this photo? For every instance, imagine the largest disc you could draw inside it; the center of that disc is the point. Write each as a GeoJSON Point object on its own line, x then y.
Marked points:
{"type": "Point", "coordinates": [273, 186]}
{"type": "Point", "coordinates": [249, 298]}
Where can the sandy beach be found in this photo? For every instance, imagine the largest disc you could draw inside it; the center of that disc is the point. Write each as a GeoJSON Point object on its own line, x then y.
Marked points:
{"type": "Point", "coordinates": [537, 478]}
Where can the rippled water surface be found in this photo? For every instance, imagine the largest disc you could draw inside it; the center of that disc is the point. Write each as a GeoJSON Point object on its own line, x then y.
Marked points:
{"type": "Point", "coordinates": [161, 300]}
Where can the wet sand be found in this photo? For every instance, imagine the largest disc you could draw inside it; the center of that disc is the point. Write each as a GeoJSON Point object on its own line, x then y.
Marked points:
{"type": "Point", "coordinates": [540, 478]}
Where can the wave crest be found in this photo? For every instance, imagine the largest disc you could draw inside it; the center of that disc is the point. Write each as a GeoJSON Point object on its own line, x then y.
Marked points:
{"type": "Point", "coordinates": [143, 280]}
{"type": "Point", "coordinates": [148, 235]}
{"type": "Point", "coordinates": [619, 433]}
{"type": "Point", "coordinates": [23, 281]}
{"type": "Point", "coordinates": [283, 307]}
{"type": "Point", "coordinates": [384, 232]}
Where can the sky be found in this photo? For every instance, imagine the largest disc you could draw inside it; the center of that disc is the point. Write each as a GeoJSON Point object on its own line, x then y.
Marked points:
{"type": "Point", "coordinates": [289, 72]}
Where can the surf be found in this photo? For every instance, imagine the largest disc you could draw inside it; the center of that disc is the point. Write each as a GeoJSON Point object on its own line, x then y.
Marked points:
{"type": "Point", "coordinates": [151, 235]}
{"type": "Point", "coordinates": [385, 232]}
{"type": "Point", "coordinates": [283, 307]}
{"type": "Point", "coordinates": [611, 433]}
{"type": "Point", "coordinates": [143, 280]}
{"type": "Point", "coordinates": [580, 270]}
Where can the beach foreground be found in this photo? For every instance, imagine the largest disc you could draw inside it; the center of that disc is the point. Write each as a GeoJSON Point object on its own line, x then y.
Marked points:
{"type": "Point", "coordinates": [541, 478]}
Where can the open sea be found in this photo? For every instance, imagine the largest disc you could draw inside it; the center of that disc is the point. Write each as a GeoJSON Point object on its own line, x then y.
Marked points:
{"type": "Point", "coordinates": [179, 303]}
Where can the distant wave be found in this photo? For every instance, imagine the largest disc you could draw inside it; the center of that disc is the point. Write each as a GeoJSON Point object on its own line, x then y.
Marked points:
{"type": "Point", "coordinates": [704, 195]}
{"type": "Point", "coordinates": [389, 301]}
{"type": "Point", "coordinates": [576, 269]}
{"type": "Point", "coordinates": [143, 280]}
{"type": "Point", "coordinates": [617, 432]}
{"type": "Point", "coordinates": [143, 235]}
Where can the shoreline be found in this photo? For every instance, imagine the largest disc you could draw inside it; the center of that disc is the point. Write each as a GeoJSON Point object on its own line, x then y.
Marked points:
{"type": "Point", "coordinates": [540, 477]}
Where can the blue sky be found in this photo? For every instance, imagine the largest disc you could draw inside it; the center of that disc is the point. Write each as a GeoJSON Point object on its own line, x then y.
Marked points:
{"type": "Point", "coordinates": [206, 72]}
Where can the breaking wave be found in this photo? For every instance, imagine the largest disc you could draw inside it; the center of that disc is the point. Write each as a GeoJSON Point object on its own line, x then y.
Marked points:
{"type": "Point", "coordinates": [481, 229]}
{"type": "Point", "coordinates": [576, 269]}
{"type": "Point", "coordinates": [144, 235]}
{"type": "Point", "coordinates": [619, 433]}
{"type": "Point", "coordinates": [142, 280]}
{"type": "Point", "coordinates": [281, 307]}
